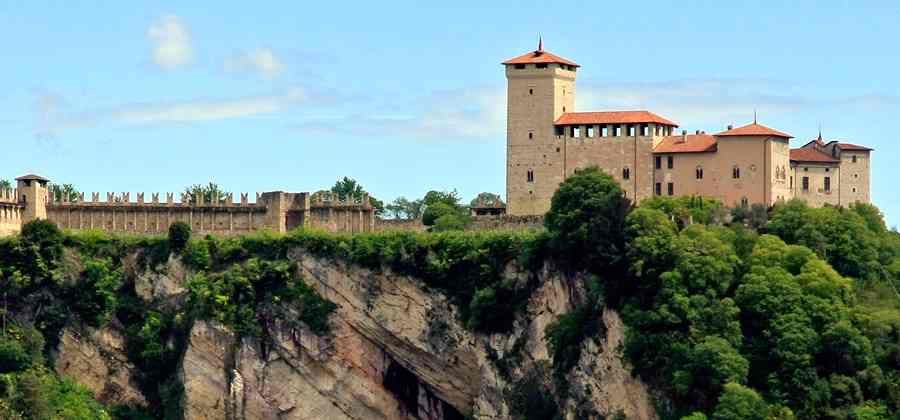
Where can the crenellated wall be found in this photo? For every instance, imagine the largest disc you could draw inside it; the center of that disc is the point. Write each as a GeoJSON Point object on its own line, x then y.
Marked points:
{"type": "Point", "coordinates": [276, 211]}
{"type": "Point", "coordinates": [10, 212]}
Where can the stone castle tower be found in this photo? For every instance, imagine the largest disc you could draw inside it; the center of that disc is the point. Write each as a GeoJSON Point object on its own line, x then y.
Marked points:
{"type": "Point", "coordinates": [32, 193]}
{"type": "Point", "coordinates": [541, 88]}
{"type": "Point", "coordinates": [547, 141]}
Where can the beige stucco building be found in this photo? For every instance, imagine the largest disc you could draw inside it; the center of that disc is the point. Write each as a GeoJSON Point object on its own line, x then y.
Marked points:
{"type": "Point", "coordinates": [547, 141]}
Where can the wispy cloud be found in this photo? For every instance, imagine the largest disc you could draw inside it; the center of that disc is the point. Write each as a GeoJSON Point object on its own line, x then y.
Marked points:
{"type": "Point", "coordinates": [171, 41]}
{"type": "Point", "coordinates": [261, 61]}
{"type": "Point", "coordinates": [714, 102]}
{"type": "Point", "coordinates": [477, 113]}
{"type": "Point", "coordinates": [696, 102]}
{"type": "Point", "coordinates": [54, 114]}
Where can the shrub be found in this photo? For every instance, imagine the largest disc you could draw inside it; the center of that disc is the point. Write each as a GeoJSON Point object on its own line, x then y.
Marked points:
{"type": "Point", "coordinates": [740, 403]}
{"type": "Point", "coordinates": [13, 356]}
{"type": "Point", "coordinates": [450, 222]}
{"type": "Point", "coordinates": [179, 234]}
{"type": "Point", "coordinates": [96, 294]}
{"type": "Point", "coordinates": [436, 211]}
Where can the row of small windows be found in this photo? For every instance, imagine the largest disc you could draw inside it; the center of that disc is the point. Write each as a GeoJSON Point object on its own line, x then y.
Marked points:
{"type": "Point", "coordinates": [804, 184]}
{"type": "Point", "coordinates": [670, 188]}
{"type": "Point", "coordinates": [670, 162]}
{"type": "Point", "coordinates": [545, 66]}
{"type": "Point", "coordinates": [610, 130]}
{"type": "Point", "coordinates": [529, 175]}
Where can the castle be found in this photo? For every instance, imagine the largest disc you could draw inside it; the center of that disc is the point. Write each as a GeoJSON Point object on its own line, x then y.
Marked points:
{"type": "Point", "coordinates": [547, 141]}
{"type": "Point", "coordinates": [275, 211]}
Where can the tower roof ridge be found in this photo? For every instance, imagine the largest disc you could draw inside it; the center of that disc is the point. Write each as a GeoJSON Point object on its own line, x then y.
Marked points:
{"type": "Point", "coordinates": [540, 56]}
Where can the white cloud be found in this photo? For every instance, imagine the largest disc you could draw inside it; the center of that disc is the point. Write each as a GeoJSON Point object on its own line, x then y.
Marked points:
{"type": "Point", "coordinates": [52, 117]}
{"type": "Point", "coordinates": [477, 113]}
{"type": "Point", "coordinates": [171, 41]}
{"type": "Point", "coordinates": [696, 102]}
{"type": "Point", "coordinates": [262, 61]}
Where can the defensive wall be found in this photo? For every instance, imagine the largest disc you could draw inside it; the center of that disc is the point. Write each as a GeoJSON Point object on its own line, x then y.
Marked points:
{"type": "Point", "coordinates": [488, 222]}
{"type": "Point", "coordinates": [276, 211]}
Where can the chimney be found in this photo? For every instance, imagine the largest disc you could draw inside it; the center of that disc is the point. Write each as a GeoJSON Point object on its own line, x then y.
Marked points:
{"type": "Point", "coordinates": [683, 136]}
{"type": "Point", "coordinates": [730, 126]}
{"type": "Point", "coordinates": [697, 132]}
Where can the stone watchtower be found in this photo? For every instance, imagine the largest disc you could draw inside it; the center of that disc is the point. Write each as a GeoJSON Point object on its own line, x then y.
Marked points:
{"type": "Point", "coordinates": [540, 88]}
{"type": "Point", "coordinates": [32, 191]}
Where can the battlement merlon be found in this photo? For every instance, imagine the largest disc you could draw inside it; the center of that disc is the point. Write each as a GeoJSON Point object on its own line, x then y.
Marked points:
{"type": "Point", "coordinates": [277, 211]}
{"type": "Point", "coordinates": [9, 196]}
{"type": "Point", "coordinates": [124, 199]}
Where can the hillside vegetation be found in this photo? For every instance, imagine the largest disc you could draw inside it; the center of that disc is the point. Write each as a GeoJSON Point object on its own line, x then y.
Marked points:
{"type": "Point", "coordinates": [730, 314]}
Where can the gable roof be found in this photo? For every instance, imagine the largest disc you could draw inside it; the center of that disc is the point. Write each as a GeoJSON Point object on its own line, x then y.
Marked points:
{"type": "Point", "coordinates": [811, 155]}
{"type": "Point", "coordinates": [850, 146]}
{"type": "Point", "coordinates": [754, 129]}
{"type": "Point", "coordinates": [690, 143]}
{"type": "Point", "coordinates": [612, 117]}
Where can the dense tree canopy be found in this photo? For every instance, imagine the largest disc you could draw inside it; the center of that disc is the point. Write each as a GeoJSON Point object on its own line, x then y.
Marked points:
{"type": "Point", "coordinates": [209, 193]}
{"type": "Point", "coordinates": [586, 221]}
{"type": "Point", "coordinates": [348, 188]}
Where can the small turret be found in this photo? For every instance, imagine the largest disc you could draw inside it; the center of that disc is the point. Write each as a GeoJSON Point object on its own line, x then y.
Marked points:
{"type": "Point", "coordinates": [32, 191]}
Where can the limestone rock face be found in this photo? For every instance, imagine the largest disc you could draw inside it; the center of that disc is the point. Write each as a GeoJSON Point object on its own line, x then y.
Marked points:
{"type": "Point", "coordinates": [396, 351]}
{"type": "Point", "coordinates": [96, 358]}
{"type": "Point", "coordinates": [163, 284]}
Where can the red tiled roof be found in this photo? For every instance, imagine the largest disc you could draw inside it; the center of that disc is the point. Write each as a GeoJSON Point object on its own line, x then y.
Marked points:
{"type": "Point", "coordinates": [539, 56]}
{"type": "Point", "coordinates": [32, 177]}
{"type": "Point", "coordinates": [612, 117]}
{"type": "Point", "coordinates": [849, 146]}
{"type": "Point", "coordinates": [808, 154]}
{"type": "Point", "coordinates": [691, 143]}
{"type": "Point", "coordinates": [754, 130]}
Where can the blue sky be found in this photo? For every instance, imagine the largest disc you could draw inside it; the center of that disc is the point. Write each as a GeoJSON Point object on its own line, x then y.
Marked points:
{"type": "Point", "coordinates": [406, 97]}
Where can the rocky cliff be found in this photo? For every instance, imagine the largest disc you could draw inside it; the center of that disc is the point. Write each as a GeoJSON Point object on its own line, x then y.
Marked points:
{"type": "Point", "coordinates": [396, 350]}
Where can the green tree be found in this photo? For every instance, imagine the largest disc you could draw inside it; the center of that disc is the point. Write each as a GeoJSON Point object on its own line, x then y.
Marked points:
{"type": "Point", "coordinates": [687, 210]}
{"type": "Point", "coordinates": [211, 193]}
{"type": "Point", "coordinates": [448, 197]}
{"type": "Point", "coordinates": [840, 236]}
{"type": "Point", "coordinates": [348, 188]}
{"type": "Point", "coordinates": [402, 208]}
{"type": "Point", "coordinates": [96, 294]}
{"type": "Point", "coordinates": [740, 403]}
{"type": "Point", "coordinates": [870, 410]}
{"type": "Point", "coordinates": [436, 211]}
{"type": "Point", "coordinates": [586, 222]}
{"type": "Point", "coordinates": [64, 192]}
{"type": "Point", "coordinates": [753, 216]}
{"type": "Point", "coordinates": [443, 212]}
{"type": "Point", "coordinates": [710, 365]}
{"type": "Point", "coordinates": [5, 184]}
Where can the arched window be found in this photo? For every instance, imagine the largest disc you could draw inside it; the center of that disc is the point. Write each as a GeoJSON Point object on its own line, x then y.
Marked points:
{"type": "Point", "coordinates": [530, 175]}
{"type": "Point", "coordinates": [735, 172]}
{"type": "Point", "coordinates": [699, 172]}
